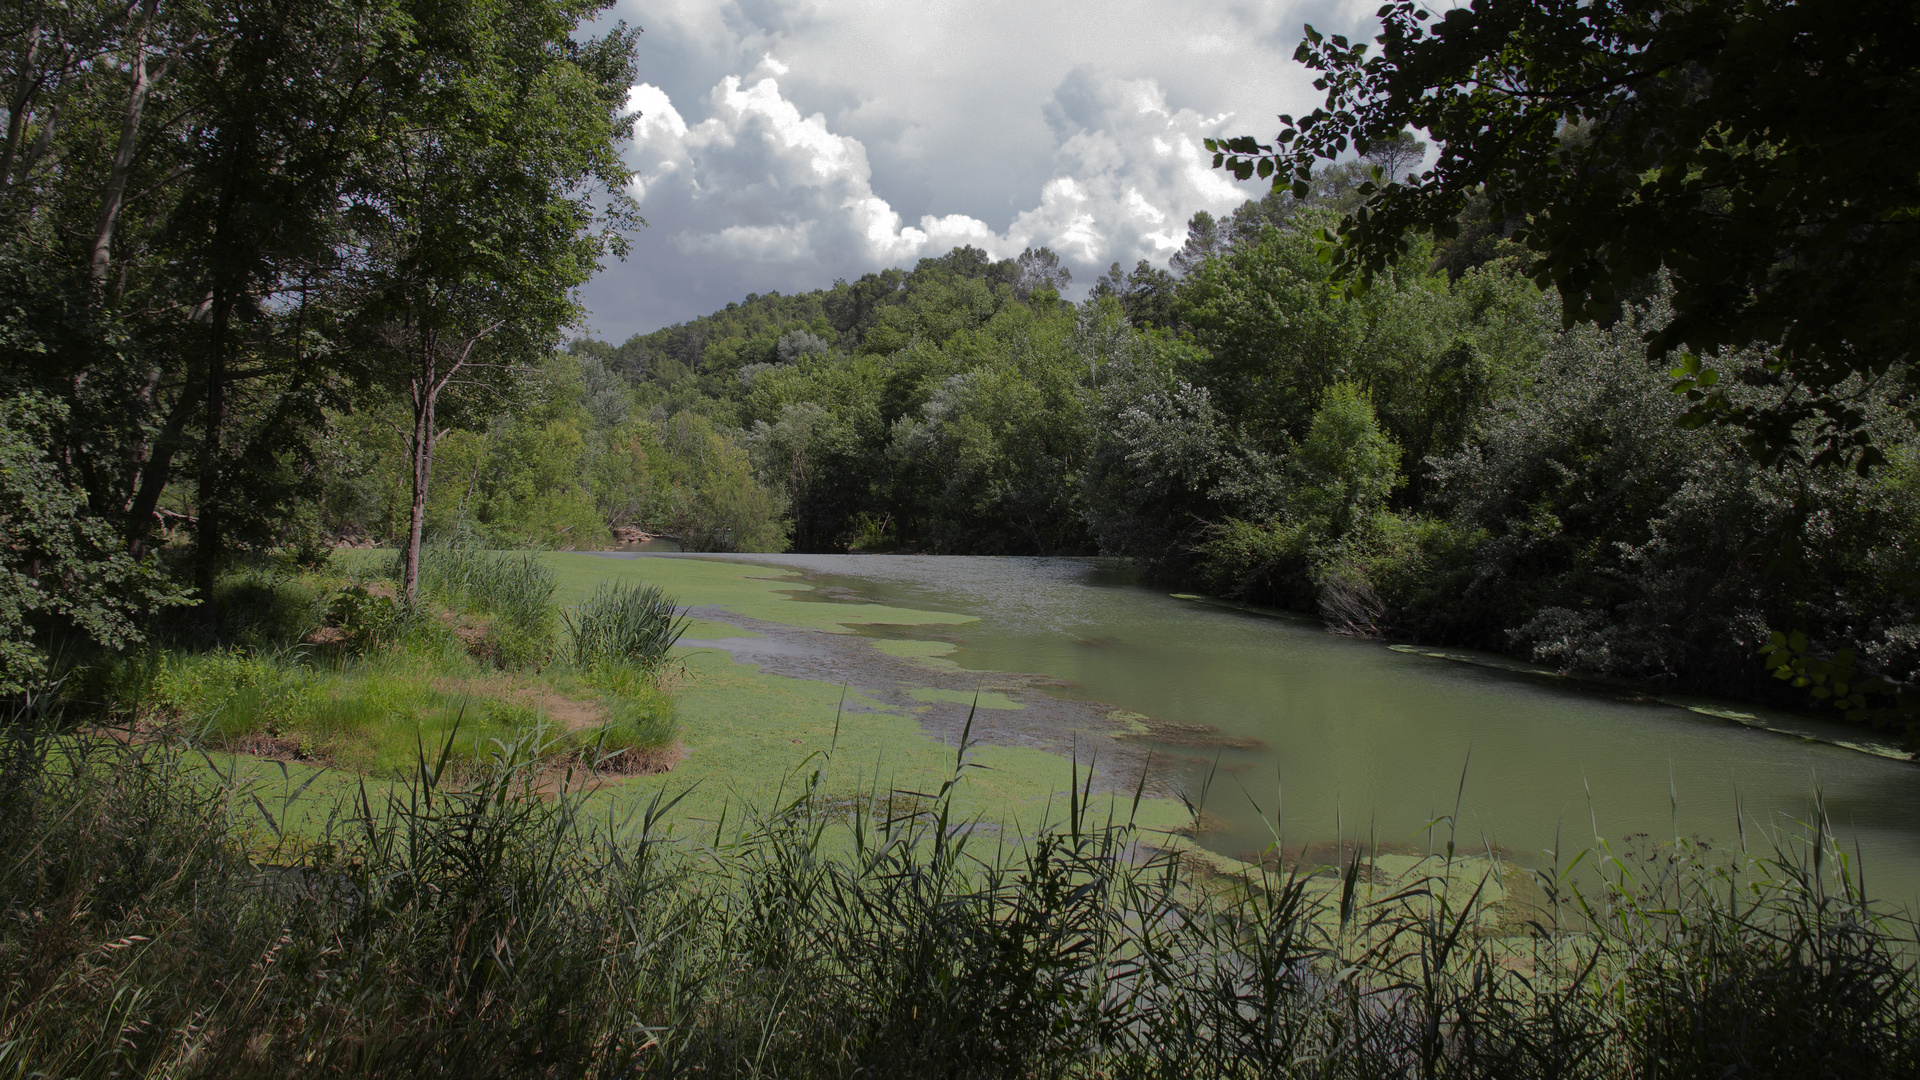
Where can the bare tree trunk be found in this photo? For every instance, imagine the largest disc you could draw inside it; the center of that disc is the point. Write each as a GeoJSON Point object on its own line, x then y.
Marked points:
{"type": "Point", "coordinates": [428, 380]}
{"type": "Point", "coordinates": [17, 106]}
{"type": "Point", "coordinates": [112, 199]}
{"type": "Point", "coordinates": [426, 392]}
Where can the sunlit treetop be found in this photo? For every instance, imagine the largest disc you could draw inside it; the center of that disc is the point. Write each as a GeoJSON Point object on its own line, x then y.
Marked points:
{"type": "Point", "coordinates": [1765, 153]}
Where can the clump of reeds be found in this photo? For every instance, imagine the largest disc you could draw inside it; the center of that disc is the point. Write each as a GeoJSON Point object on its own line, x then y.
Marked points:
{"type": "Point", "coordinates": [625, 624]}
{"type": "Point", "coordinates": [513, 589]}
{"type": "Point", "coordinates": [157, 918]}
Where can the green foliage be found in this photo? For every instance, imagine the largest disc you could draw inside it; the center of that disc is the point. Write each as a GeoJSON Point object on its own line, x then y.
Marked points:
{"type": "Point", "coordinates": [990, 462]}
{"type": "Point", "coordinates": [1741, 147]}
{"type": "Point", "coordinates": [1346, 467]}
{"type": "Point", "coordinates": [625, 624]}
{"type": "Point", "coordinates": [1430, 352]}
{"type": "Point", "coordinates": [368, 621]}
{"type": "Point", "coordinates": [1430, 457]}
{"type": "Point", "coordinates": [1623, 542]}
{"type": "Point", "coordinates": [1272, 562]}
{"type": "Point", "coordinates": [203, 350]}
{"type": "Point", "coordinates": [1860, 695]}
{"type": "Point", "coordinates": [718, 504]}
{"type": "Point", "coordinates": [66, 577]}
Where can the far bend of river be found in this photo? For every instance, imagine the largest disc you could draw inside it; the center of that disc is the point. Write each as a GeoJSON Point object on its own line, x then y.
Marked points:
{"type": "Point", "coordinates": [1380, 736]}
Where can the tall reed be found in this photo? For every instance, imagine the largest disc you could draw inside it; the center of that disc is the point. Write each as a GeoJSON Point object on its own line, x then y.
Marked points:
{"type": "Point", "coordinates": [159, 919]}
{"type": "Point", "coordinates": [514, 588]}
{"type": "Point", "coordinates": [624, 624]}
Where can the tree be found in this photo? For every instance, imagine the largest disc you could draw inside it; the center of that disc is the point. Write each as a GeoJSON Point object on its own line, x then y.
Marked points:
{"type": "Point", "coordinates": [1205, 239]}
{"type": "Point", "coordinates": [481, 212]}
{"type": "Point", "coordinates": [64, 573]}
{"type": "Point", "coordinates": [1040, 269]}
{"type": "Point", "coordinates": [1766, 154]}
{"type": "Point", "coordinates": [1146, 294]}
{"type": "Point", "coordinates": [282, 109]}
{"type": "Point", "coordinates": [1346, 467]}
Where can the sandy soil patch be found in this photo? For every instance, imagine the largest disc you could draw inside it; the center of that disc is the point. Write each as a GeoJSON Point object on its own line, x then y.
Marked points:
{"type": "Point", "coordinates": [569, 713]}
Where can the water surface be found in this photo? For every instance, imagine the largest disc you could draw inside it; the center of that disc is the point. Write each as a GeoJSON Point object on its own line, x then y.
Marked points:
{"type": "Point", "coordinates": [1332, 732]}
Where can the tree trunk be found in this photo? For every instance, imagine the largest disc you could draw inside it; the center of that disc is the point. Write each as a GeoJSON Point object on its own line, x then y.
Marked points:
{"type": "Point", "coordinates": [427, 382]}
{"type": "Point", "coordinates": [111, 199]}
{"type": "Point", "coordinates": [156, 471]}
{"type": "Point", "coordinates": [426, 391]}
{"type": "Point", "coordinates": [17, 104]}
{"type": "Point", "coordinates": [207, 538]}
{"type": "Point", "coordinates": [232, 256]}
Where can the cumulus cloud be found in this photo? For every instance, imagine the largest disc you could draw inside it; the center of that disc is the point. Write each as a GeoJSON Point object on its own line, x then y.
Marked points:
{"type": "Point", "coordinates": [758, 180]}
{"type": "Point", "coordinates": [784, 143]}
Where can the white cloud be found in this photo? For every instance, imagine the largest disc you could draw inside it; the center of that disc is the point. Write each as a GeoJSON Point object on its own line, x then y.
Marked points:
{"type": "Point", "coordinates": [758, 181]}
{"type": "Point", "coordinates": [784, 143]}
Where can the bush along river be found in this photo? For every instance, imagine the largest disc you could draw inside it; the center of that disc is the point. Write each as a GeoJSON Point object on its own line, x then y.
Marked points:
{"type": "Point", "coordinates": [1280, 729]}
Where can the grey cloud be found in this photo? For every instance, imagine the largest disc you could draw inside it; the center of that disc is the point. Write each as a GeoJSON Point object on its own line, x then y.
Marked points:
{"type": "Point", "coordinates": [893, 128]}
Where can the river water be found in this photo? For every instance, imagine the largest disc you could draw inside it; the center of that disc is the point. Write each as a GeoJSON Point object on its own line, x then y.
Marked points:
{"type": "Point", "coordinates": [1322, 733]}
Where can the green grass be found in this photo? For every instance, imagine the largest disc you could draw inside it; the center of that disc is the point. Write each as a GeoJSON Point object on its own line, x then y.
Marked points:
{"type": "Point", "coordinates": [514, 590]}
{"type": "Point", "coordinates": [332, 671]}
{"type": "Point", "coordinates": [372, 715]}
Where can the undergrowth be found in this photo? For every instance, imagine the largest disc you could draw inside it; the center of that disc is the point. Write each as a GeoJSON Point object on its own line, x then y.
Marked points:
{"type": "Point", "coordinates": [333, 669]}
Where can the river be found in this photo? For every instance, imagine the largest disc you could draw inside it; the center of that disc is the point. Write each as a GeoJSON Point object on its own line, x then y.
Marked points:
{"type": "Point", "coordinates": [1318, 733]}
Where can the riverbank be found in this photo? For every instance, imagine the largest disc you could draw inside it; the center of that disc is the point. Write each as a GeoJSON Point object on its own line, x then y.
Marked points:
{"type": "Point", "coordinates": [1281, 736]}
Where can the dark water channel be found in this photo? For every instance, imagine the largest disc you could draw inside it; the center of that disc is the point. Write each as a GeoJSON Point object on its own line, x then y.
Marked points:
{"type": "Point", "coordinates": [1354, 733]}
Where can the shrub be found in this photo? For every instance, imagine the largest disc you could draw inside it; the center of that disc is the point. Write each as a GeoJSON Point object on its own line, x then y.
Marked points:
{"type": "Point", "coordinates": [1268, 563]}
{"type": "Point", "coordinates": [65, 575]}
{"type": "Point", "coordinates": [366, 620]}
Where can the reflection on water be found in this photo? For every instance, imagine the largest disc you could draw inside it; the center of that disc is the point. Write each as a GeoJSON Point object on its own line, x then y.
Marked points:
{"type": "Point", "coordinates": [1323, 728]}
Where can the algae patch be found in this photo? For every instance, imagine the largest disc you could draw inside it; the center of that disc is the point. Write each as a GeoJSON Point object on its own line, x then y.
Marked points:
{"type": "Point", "coordinates": [985, 699]}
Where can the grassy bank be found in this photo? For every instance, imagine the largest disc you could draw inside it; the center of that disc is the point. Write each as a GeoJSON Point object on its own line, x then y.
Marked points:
{"type": "Point", "coordinates": [161, 922]}
{"type": "Point", "coordinates": [327, 668]}
{"type": "Point", "coordinates": [319, 680]}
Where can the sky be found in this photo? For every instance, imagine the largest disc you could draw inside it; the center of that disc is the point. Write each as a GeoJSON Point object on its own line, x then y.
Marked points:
{"type": "Point", "coordinates": [785, 143]}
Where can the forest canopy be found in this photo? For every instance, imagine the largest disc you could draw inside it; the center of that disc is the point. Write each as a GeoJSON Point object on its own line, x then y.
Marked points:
{"type": "Point", "coordinates": [1765, 156]}
{"type": "Point", "coordinates": [228, 227]}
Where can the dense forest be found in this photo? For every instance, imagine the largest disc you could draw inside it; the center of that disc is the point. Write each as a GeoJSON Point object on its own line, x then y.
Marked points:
{"type": "Point", "coordinates": [1437, 458]}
